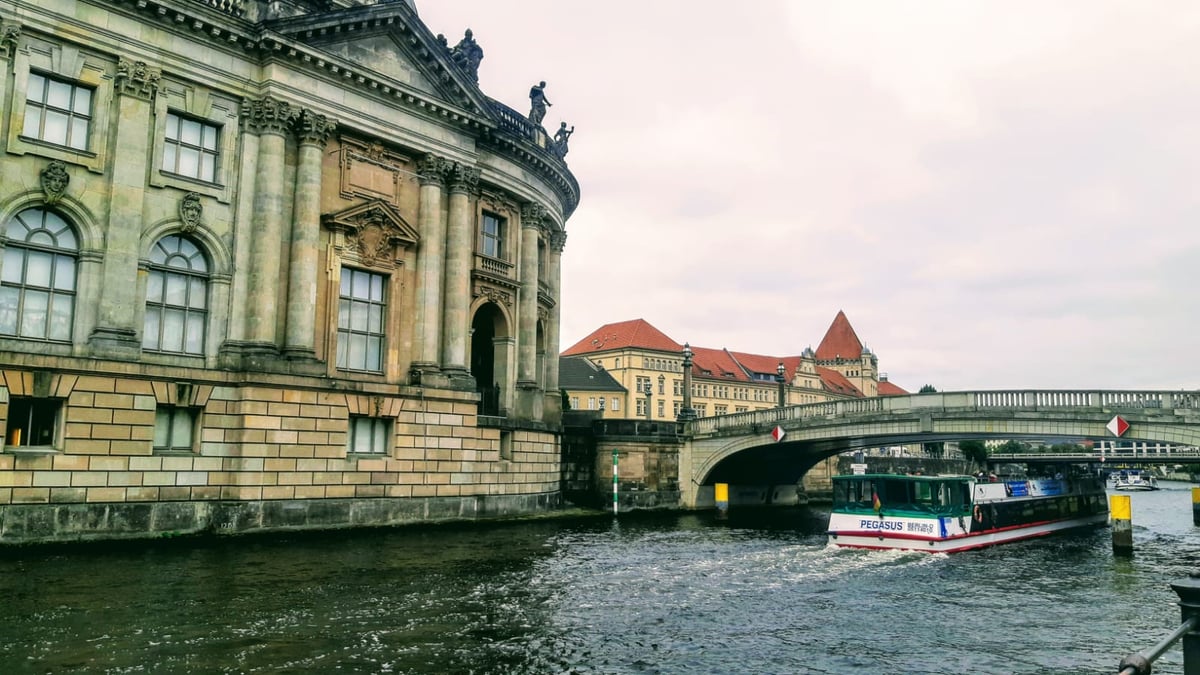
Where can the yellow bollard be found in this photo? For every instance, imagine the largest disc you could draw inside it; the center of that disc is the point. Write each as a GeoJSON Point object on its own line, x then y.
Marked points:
{"type": "Point", "coordinates": [722, 496]}
{"type": "Point", "coordinates": [1122, 524]}
{"type": "Point", "coordinates": [1196, 506]}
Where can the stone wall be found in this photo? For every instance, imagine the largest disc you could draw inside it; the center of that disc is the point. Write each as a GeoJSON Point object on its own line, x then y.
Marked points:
{"type": "Point", "coordinates": [273, 444]}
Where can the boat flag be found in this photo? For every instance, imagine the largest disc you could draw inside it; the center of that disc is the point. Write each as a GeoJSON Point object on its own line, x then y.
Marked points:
{"type": "Point", "coordinates": [875, 501]}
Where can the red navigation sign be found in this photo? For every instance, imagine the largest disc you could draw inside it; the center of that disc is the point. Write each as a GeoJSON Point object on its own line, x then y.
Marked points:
{"type": "Point", "coordinates": [777, 433]}
{"type": "Point", "coordinates": [1117, 426]}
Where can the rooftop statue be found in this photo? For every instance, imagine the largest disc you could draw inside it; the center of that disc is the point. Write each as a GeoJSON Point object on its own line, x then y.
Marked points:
{"type": "Point", "coordinates": [467, 54]}
{"type": "Point", "coordinates": [561, 137]}
{"type": "Point", "coordinates": [538, 102]}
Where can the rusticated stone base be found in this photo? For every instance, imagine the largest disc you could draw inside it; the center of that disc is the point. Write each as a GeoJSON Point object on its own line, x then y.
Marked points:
{"type": "Point", "coordinates": [25, 524]}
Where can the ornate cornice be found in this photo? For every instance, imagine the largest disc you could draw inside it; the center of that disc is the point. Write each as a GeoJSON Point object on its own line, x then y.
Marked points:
{"type": "Point", "coordinates": [314, 129]}
{"type": "Point", "coordinates": [268, 116]}
{"type": "Point", "coordinates": [137, 79]}
{"type": "Point", "coordinates": [498, 203]}
{"type": "Point", "coordinates": [10, 35]}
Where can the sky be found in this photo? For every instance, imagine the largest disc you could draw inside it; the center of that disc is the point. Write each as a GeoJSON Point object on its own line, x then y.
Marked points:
{"type": "Point", "coordinates": [999, 195]}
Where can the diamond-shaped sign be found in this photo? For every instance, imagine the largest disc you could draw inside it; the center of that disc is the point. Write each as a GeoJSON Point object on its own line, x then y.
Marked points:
{"type": "Point", "coordinates": [1117, 426]}
{"type": "Point", "coordinates": [778, 433]}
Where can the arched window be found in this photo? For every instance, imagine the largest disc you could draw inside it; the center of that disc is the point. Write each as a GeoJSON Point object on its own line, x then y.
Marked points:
{"type": "Point", "coordinates": [37, 283]}
{"type": "Point", "coordinates": [176, 297]}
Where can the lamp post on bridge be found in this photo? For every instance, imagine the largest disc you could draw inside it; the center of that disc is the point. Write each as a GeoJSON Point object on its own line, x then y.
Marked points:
{"type": "Point", "coordinates": [649, 390]}
{"type": "Point", "coordinates": [780, 371]}
{"type": "Point", "coordinates": [686, 412]}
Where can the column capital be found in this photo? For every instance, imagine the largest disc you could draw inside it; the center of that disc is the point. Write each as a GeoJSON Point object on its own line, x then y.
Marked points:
{"type": "Point", "coordinates": [314, 129]}
{"type": "Point", "coordinates": [532, 214]}
{"type": "Point", "coordinates": [463, 178]}
{"type": "Point", "coordinates": [268, 116]}
{"type": "Point", "coordinates": [10, 35]}
{"type": "Point", "coordinates": [135, 78]}
{"type": "Point", "coordinates": [558, 241]}
{"type": "Point", "coordinates": [432, 169]}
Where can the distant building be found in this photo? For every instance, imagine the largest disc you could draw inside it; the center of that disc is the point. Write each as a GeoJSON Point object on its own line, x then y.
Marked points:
{"type": "Point", "coordinates": [590, 387]}
{"type": "Point", "coordinates": [635, 354]}
{"type": "Point", "coordinates": [262, 256]}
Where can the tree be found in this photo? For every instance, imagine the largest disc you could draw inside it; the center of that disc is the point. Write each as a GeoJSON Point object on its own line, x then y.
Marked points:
{"type": "Point", "coordinates": [927, 389]}
{"type": "Point", "coordinates": [974, 451]}
{"type": "Point", "coordinates": [566, 400]}
{"type": "Point", "coordinates": [1012, 446]}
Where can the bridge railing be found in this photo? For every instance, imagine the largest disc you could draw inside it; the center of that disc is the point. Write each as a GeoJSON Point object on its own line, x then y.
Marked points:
{"type": "Point", "coordinates": [1033, 400]}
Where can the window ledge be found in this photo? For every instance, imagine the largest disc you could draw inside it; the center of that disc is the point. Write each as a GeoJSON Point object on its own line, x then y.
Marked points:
{"type": "Point", "coordinates": [31, 450]}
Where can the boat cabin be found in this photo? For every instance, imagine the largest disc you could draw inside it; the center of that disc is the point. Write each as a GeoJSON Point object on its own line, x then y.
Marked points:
{"type": "Point", "coordinates": [899, 495]}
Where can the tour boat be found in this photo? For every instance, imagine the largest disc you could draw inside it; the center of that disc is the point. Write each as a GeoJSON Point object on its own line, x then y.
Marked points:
{"type": "Point", "coordinates": [946, 514]}
{"type": "Point", "coordinates": [1135, 480]}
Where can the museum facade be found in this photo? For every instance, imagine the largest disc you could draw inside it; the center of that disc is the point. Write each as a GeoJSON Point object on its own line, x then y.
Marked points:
{"type": "Point", "coordinates": [268, 265]}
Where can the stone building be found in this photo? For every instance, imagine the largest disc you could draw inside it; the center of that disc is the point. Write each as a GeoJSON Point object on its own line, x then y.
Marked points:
{"type": "Point", "coordinates": [635, 355]}
{"type": "Point", "coordinates": [268, 264]}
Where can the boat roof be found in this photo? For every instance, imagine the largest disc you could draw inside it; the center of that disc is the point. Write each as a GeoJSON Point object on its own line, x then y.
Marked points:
{"type": "Point", "coordinates": [903, 476]}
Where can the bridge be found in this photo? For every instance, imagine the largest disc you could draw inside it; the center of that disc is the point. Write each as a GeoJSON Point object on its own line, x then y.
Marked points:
{"type": "Point", "coordinates": [740, 449]}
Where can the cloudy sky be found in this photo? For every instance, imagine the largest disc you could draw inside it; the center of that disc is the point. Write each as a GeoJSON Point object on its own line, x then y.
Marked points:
{"type": "Point", "coordinates": [998, 194]}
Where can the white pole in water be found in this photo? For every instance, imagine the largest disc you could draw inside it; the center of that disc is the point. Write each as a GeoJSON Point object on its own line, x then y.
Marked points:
{"type": "Point", "coordinates": [614, 481]}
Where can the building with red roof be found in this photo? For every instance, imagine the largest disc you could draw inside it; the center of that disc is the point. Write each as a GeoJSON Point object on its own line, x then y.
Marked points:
{"type": "Point", "coordinates": [637, 356]}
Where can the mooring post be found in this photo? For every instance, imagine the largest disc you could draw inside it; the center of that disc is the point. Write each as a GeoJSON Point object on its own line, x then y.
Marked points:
{"type": "Point", "coordinates": [1189, 606]}
{"type": "Point", "coordinates": [1122, 524]}
{"type": "Point", "coordinates": [721, 493]}
{"type": "Point", "coordinates": [1196, 506]}
{"type": "Point", "coordinates": [614, 481]}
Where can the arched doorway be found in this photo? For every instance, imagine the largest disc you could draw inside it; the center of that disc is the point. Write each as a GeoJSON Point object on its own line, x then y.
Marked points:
{"type": "Point", "coordinates": [489, 359]}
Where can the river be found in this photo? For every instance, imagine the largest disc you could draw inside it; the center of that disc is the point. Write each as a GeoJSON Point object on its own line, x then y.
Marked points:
{"type": "Point", "coordinates": [757, 592]}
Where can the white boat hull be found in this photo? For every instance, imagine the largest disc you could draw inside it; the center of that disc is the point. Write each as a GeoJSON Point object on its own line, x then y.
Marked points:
{"type": "Point", "coordinates": [956, 541]}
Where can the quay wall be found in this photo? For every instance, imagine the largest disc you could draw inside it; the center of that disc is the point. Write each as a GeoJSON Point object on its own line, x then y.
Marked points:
{"type": "Point", "coordinates": [269, 454]}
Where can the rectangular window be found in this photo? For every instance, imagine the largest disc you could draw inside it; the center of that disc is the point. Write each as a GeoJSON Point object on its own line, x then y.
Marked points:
{"type": "Point", "coordinates": [190, 148]}
{"type": "Point", "coordinates": [491, 234]}
{"type": "Point", "coordinates": [368, 435]}
{"type": "Point", "coordinates": [574, 403]}
{"type": "Point", "coordinates": [362, 306]}
{"type": "Point", "coordinates": [616, 404]}
{"type": "Point", "coordinates": [662, 408]}
{"type": "Point", "coordinates": [33, 422]}
{"type": "Point", "coordinates": [591, 403]}
{"type": "Point", "coordinates": [641, 407]}
{"type": "Point", "coordinates": [174, 429]}
{"type": "Point", "coordinates": [57, 112]}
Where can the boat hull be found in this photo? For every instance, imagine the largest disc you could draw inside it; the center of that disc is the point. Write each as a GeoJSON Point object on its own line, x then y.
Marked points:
{"type": "Point", "coordinates": [954, 543]}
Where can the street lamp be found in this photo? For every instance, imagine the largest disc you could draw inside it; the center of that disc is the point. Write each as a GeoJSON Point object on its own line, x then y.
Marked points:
{"type": "Point", "coordinates": [649, 390]}
{"type": "Point", "coordinates": [780, 371]}
{"type": "Point", "coordinates": [687, 413]}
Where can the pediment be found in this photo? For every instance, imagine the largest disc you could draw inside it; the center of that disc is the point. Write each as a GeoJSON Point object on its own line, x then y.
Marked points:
{"type": "Point", "coordinates": [373, 231]}
{"type": "Point", "coordinates": [388, 42]}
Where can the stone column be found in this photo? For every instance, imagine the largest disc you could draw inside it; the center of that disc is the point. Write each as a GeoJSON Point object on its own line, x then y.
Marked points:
{"type": "Point", "coordinates": [300, 337]}
{"type": "Point", "coordinates": [459, 255]}
{"type": "Point", "coordinates": [271, 120]}
{"type": "Point", "coordinates": [115, 333]}
{"type": "Point", "coordinates": [531, 225]}
{"type": "Point", "coordinates": [558, 240]}
{"type": "Point", "coordinates": [427, 323]}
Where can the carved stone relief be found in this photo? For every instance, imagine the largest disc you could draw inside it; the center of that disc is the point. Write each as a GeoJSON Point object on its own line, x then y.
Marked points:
{"type": "Point", "coordinates": [371, 170]}
{"type": "Point", "coordinates": [371, 233]}
{"type": "Point", "coordinates": [190, 211]}
{"type": "Point", "coordinates": [54, 180]}
{"type": "Point", "coordinates": [136, 78]}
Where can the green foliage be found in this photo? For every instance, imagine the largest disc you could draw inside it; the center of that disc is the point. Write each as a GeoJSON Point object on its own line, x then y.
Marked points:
{"type": "Point", "coordinates": [974, 451]}
{"type": "Point", "coordinates": [1065, 448]}
{"type": "Point", "coordinates": [566, 400]}
{"type": "Point", "coordinates": [1012, 446]}
{"type": "Point", "coordinates": [927, 389]}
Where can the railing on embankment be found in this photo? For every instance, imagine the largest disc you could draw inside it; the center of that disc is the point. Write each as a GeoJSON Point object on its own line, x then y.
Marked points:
{"type": "Point", "coordinates": [1140, 663]}
{"type": "Point", "coordinates": [1033, 401]}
